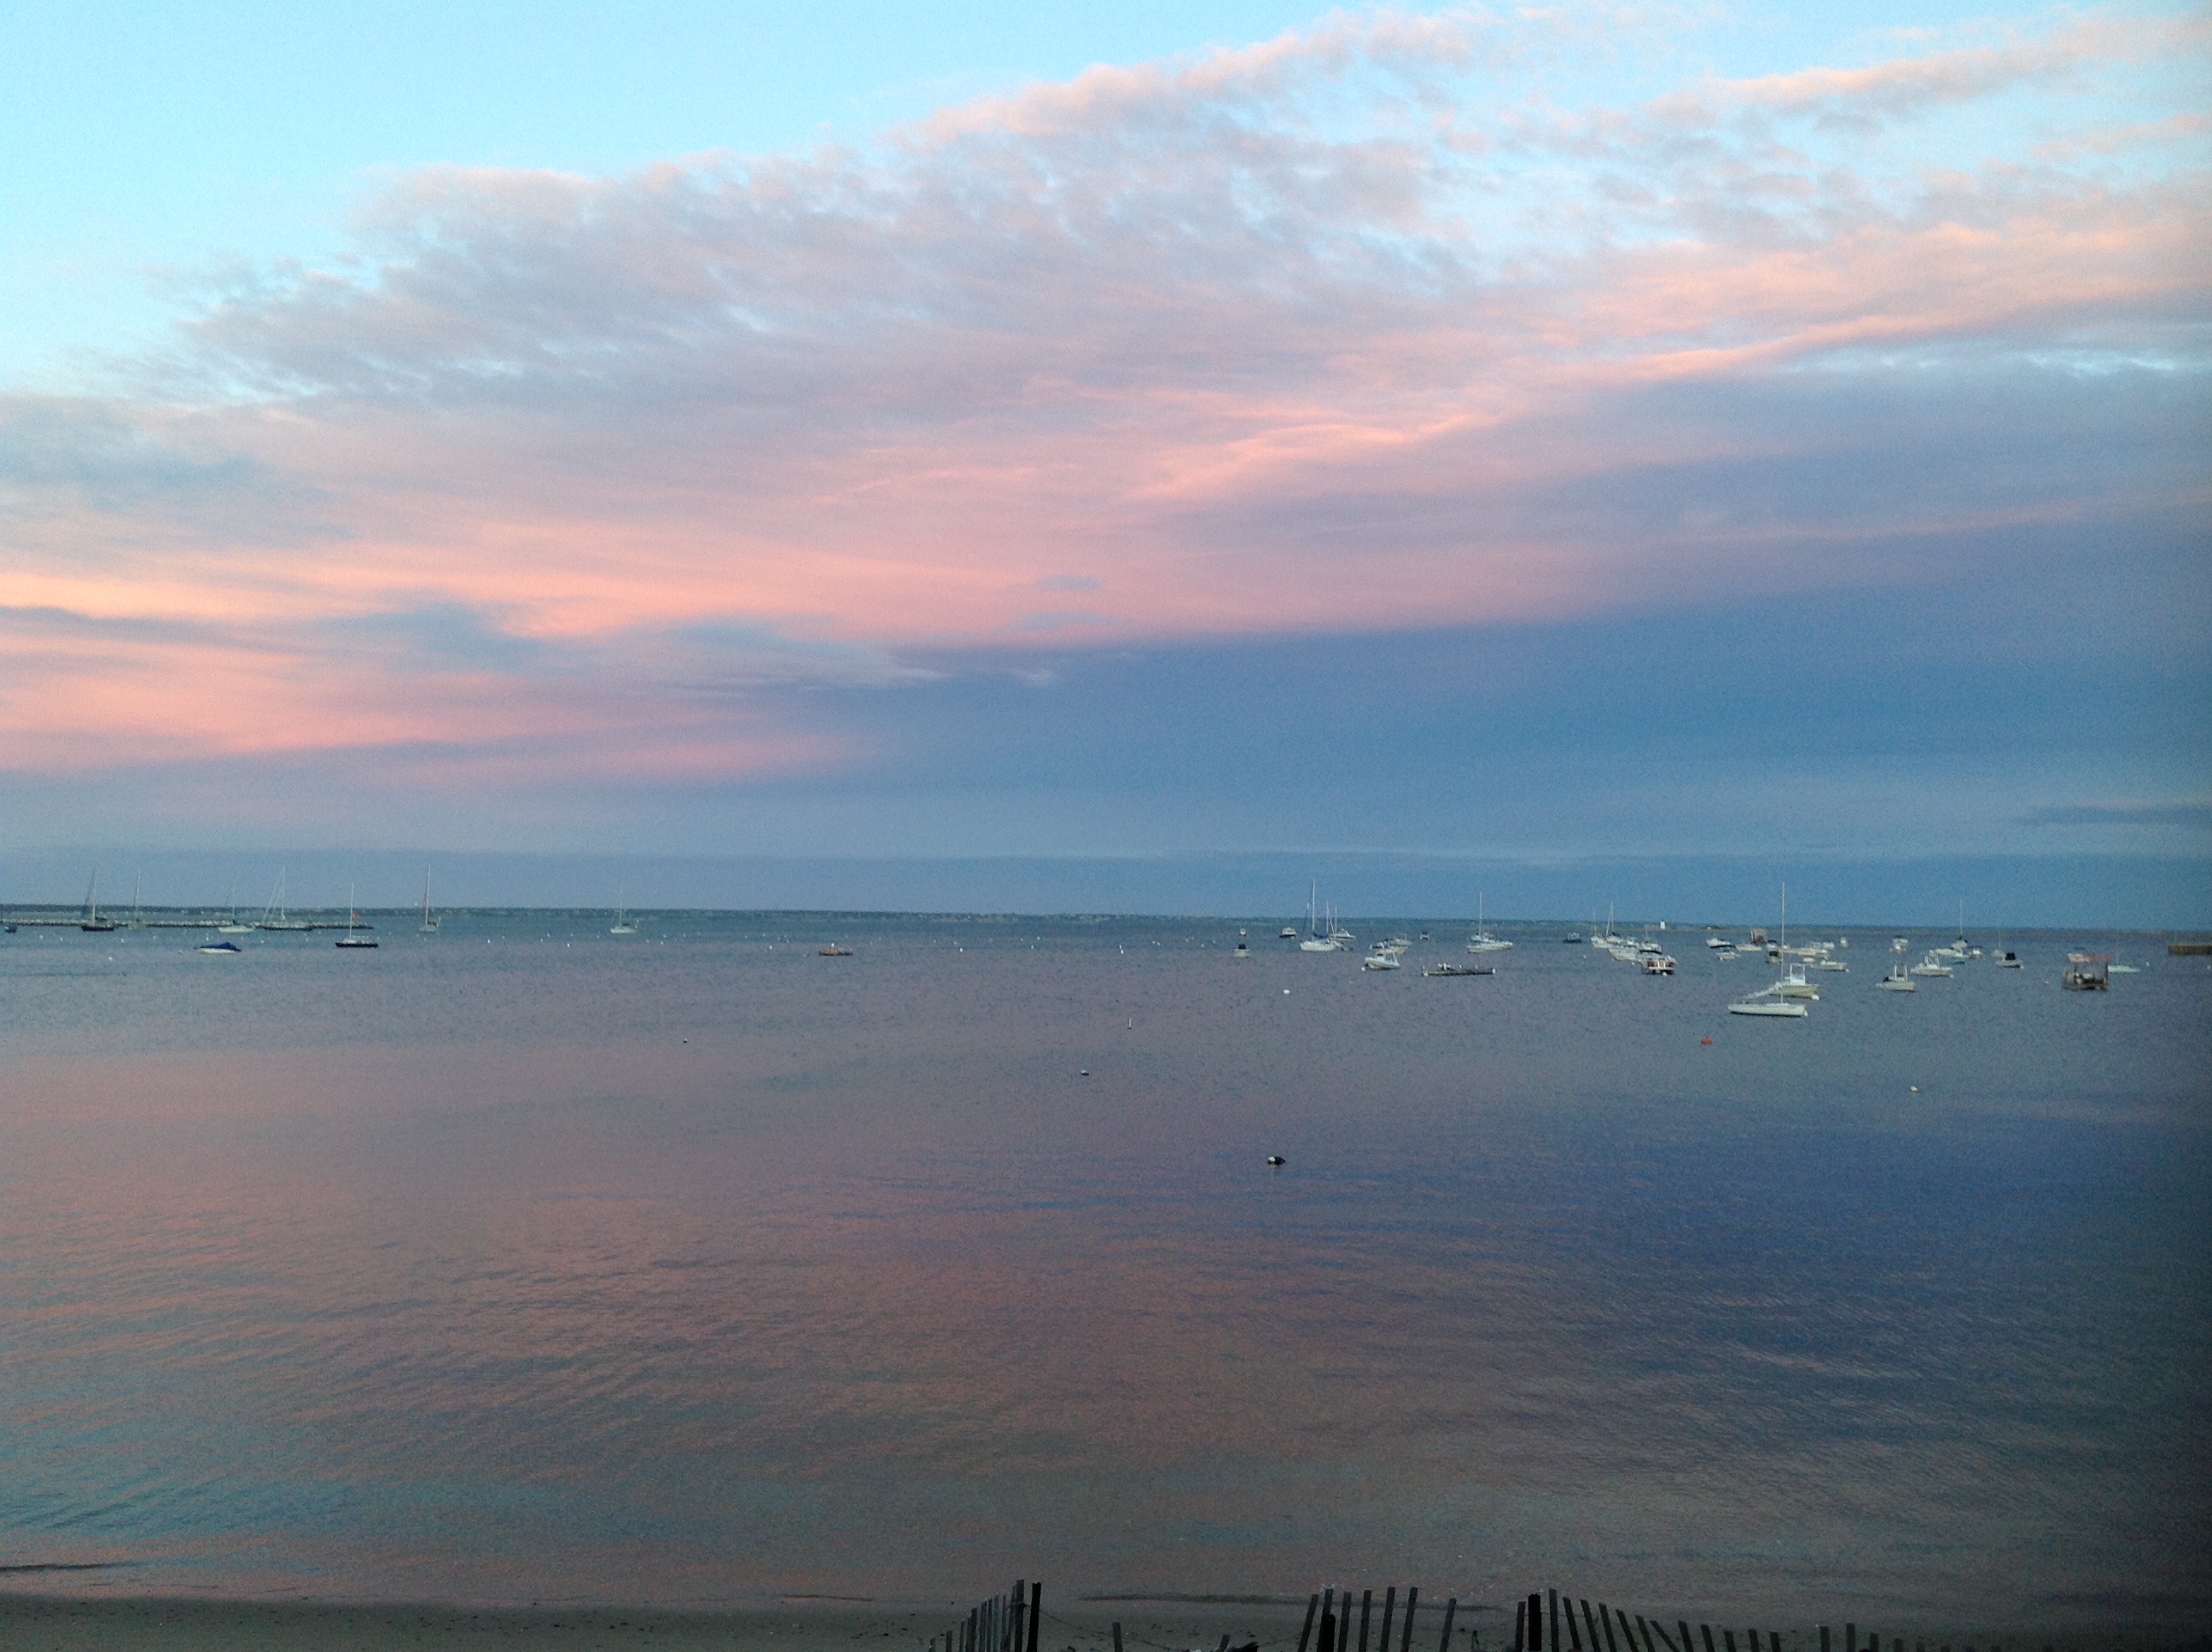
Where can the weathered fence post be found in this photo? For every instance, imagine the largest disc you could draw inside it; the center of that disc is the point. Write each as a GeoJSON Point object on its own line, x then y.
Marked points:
{"type": "Point", "coordinates": [1389, 1611]}
{"type": "Point", "coordinates": [1313, 1606]}
{"type": "Point", "coordinates": [1406, 1639]}
{"type": "Point", "coordinates": [1037, 1612]}
{"type": "Point", "coordinates": [1366, 1605]}
{"type": "Point", "coordinates": [1451, 1610]}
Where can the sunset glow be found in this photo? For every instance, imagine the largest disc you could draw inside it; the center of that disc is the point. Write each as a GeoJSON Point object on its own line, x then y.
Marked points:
{"type": "Point", "coordinates": [1393, 322]}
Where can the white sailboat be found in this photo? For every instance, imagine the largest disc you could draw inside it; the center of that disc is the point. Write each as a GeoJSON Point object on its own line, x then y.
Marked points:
{"type": "Point", "coordinates": [231, 925]}
{"type": "Point", "coordinates": [1482, 940]}
{"type": "Point", "coordinates": [275, 915]}
{"type": "Point", "coordinates": [1316, 941]}
{"type": "Point", "coordinates": [621, 925]}
{"type": "Point", "coordinates": [92, 923]}
{"type": "Point", "coordinates": [430, 925]}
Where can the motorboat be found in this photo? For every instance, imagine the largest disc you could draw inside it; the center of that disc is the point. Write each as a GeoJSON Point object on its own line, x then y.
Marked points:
{"type": "Point", "coordinates": [1766, 1003]}
{"type": "Point", "coordinates": [1382, 958]}
{"type": "Point", "coordinates": [1289, 932]}
{"type": "Point", "coordinates": [1794, 984]}
{"type": "Point", "coordinates": [2008, 961]}
{"type": "Point", "coordinates": [1835, 964]}
{"type": "Point", "coordinates": [1899, 980]}
{"type": "Point", "coordinates": [1717, 942]}
{"type": "Point", "coordinates": [1899, 942]}
{"type": "Point", "coordinates": [218, 949]}
{"type": "Point", "coordinates": [1932, 965]}
{"type": "Point", "coordinates": [1658, 964]}
{"type": "Point", "coordinates": [2086, 972]}
{"type": "Point", "coordinates": [1242, 950]}
{"type": "Point", "coordinates": [1459, 969]}
{"type": "Point", "coordinates": [833, 951]}
{"type": "Point", "coordinates": [1572, 939]}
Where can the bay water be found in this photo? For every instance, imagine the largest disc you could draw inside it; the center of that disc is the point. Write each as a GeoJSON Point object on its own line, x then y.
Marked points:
{"type": "Point", "coordinates": [524, 1261]}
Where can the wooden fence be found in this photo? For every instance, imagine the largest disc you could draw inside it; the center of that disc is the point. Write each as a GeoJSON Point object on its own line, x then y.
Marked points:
{"type": "Point", "coordinates": [1544, 1620]}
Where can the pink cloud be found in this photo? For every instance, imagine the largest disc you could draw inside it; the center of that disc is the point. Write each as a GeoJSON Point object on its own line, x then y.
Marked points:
{"type": "Point", "coordinates": [1275, 338]}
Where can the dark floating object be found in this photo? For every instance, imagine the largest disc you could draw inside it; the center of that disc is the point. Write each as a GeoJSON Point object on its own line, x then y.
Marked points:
{"type": "Point", "coordinates": [1085, 1073]}
{"type": "Point", "coordinates": [1277, 1160]}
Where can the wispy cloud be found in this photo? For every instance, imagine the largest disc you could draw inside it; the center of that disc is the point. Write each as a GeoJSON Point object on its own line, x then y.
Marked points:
{"type": "Point", "coordinates": [2195, 813]}
{"type": "Point", "coordinates": [1391, 320]}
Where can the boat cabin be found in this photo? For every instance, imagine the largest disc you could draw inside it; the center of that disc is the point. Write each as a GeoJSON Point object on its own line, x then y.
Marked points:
{"type": "Point", "coordinates": [2087, 972]}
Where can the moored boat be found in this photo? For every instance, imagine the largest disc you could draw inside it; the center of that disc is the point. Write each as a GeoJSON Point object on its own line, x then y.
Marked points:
{"type": "Point", "coordinates": [2086, 972]}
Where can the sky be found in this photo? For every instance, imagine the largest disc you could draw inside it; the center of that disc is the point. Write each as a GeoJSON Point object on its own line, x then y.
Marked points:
{"type": "Point", "coordinates": [1525, 437]}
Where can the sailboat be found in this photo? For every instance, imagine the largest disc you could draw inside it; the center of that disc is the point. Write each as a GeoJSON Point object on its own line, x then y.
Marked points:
{"type": "Point", "coordinates": [621, 925]}
{"type": "Point", "coordinates": [92, 923]}
{"type": "Point", "coordinates": [349, 940]}
{"type": "Point", "coordinates": [1316, 941]}
{"type": "Point", "coordinates": [430, 925]}
{"type": "Point", "coordinates": [231, 925]}
{"type": "Point", "coordinates": [1482, 940]}
{"type": "Point", "coordinates": [274, 916]}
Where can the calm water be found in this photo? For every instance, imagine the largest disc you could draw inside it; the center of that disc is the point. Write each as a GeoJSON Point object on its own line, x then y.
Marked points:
{"type": "Point", "coordinates": [521, 1261]}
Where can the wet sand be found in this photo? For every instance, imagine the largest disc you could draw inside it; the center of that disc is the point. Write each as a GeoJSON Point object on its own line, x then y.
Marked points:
{"type": "Point", "coordinates": [36, 1623]}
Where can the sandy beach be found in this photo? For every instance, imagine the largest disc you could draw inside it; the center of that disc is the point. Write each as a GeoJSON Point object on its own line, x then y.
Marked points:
{"type": "Point", "coordinates": [36, 1623]}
